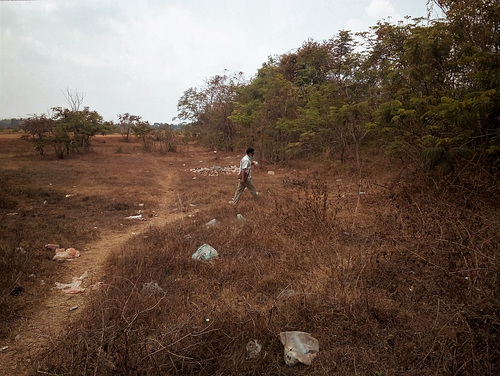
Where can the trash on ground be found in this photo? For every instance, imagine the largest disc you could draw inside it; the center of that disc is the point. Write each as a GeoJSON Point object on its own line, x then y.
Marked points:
{"type": "Point", "coordinates": [240, 218]}
{"type": "Point", "coordinates": [65, 254]}
{"type": "Point", "coordinates": [152, 287]}
{"type": "Point", "coordinates": [270, 172]}
{"type": "Point", "coordinates": [3, 348]}
{"type": "Point", "coordinates": [73, 308]}
{"type": "Point", "coordinates": [253, 349]}
{"type": "Point", "coordinates": [299, 347]}
{"type": "Point", "coordinates": [205, 253]}
{"type": "Point", "coordinates": [52, 246]}
{"type": "Point", "coordinates": [74, 287]}
{"type": "Point", "coordinates": [211, 223]}
{"type": "Point", "coordinates": [138, 216]}
{"type": "Point", "coordinates": [215, 170]}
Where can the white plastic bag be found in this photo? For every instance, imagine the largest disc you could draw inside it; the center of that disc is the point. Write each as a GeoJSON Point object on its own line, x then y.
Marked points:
{"type": "Point", "coordinates": [211, 223]}
{"type": "Point", "coordinates": [74, 287]}
{"type": "Point", "coordinates": [299, 347]}
{"type": "Point", "coordinates": [205, 253]}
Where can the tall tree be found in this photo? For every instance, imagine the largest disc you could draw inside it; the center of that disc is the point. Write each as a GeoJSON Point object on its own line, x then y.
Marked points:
{"type": "Point", "coordinates": [125, 124]}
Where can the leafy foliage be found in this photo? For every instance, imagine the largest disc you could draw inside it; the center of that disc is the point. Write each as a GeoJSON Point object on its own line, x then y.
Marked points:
{"type": "Point", "coordinates": [66, 130]}
{"type": "Point", "coordinates": [417, 89]}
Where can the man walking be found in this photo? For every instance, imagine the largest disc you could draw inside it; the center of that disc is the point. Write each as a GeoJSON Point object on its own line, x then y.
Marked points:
{"type": "Point", "coordinates": [245, 177]}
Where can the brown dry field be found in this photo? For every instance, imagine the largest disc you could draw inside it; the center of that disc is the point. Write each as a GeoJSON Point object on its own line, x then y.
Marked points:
{"type": "Point", "coordinates": [390, 276]}
{"type": "Point", "coordinates": [82, 202]}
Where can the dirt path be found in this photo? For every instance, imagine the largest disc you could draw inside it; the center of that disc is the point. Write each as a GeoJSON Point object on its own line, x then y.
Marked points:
{"type": "Point", "coordinates": [47, 322]}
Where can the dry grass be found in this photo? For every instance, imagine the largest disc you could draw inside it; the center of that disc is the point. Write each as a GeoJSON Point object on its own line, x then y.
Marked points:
{"type": "Point", "coordinates": [399, 280]}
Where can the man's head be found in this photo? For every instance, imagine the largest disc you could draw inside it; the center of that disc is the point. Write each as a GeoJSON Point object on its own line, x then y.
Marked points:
{"type": "Point", "coordinates": [250, 151]}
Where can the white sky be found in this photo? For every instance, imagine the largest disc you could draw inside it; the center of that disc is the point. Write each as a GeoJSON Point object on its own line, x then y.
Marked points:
{"type": "Point", "coordinates": [140, 56]}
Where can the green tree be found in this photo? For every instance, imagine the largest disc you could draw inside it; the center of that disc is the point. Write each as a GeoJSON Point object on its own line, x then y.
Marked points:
{"type": "Point", "coordinates": [209, 109]}
{"type": "Point", "coordinates": [142, 130]}
{"type": "Point", "coordinates": [125, 124]}
{"type": "Point", "coordinates": [39, 128]}
{"type": "Point", "coordinates": [354, 121]}
{"type": "Point", "coordinates": [81, 125]}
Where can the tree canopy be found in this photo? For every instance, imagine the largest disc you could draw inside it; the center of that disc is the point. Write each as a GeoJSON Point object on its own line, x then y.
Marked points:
{"type": "Point", "coordinates": [426, 91]}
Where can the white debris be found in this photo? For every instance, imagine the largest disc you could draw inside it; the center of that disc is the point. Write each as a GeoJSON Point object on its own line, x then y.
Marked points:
{"type": "Point", "coordinates": [215, 170]}
{"type": "Point", "coordinates": [66, 254]}
{"type": "Point", "coordinates": [205, 253]}
{"type": "Point", "coordinates": [74, 287]}
{"type": "Point", "coordinates": [211, 223]}
{"type": "Point", "coordinates": [152, 287]}
{"type": "Point", "coordinates": [253, 349]}
{"type": "Point", "coordinates": [139, 216]}
{"type": "Point", "coordinates": [299, 347]}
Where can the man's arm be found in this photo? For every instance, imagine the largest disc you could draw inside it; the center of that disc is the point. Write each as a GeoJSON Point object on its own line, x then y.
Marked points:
{"type": "Point", "coordinates": [244, 176]}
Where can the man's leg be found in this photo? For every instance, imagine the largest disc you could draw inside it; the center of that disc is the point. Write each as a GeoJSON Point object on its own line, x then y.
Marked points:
{"type": "Point", "coordinates": [252, 189]}
{"type": "Point", "coordinates": [237, 194]}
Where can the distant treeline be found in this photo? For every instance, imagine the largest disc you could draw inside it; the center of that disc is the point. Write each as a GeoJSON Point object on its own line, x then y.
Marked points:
{"type": "Point", "coordinates": [10, 124]}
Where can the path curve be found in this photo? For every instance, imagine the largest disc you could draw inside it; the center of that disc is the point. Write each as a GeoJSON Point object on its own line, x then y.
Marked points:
{"type": "Point", "coordinates": [45, 323]}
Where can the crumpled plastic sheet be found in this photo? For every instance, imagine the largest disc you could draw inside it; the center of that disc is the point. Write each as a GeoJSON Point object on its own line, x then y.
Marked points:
{"type": "Point", "coordinates": [205, 253]}
{"type": "Point", "coordinates": [74, 287]}
{"type": "Point", "coordinates": [299, 347]}
{"type": "Point", "coordinates": [65, 254]}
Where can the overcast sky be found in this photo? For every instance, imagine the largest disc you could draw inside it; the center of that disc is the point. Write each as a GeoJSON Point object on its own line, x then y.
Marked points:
{"type": "Point", "coordinates": [140, 56]}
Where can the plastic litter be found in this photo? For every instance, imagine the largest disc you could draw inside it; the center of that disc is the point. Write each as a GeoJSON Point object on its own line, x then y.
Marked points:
{"type": "Point", "coordinates": [139, 217]}
{"type": "Point", "coordinates": [211, 223]}
{"type": "Point", "coordinates": [52, 246]}
{"type": "Point", "coordinates": [74, 287]}
{"type": "Point", "coordinates": [240, 218]}
{"type": "Point", "coordinates": [299, 347]}
{"type": "Point", "coordinates": [152, 287]}
{"type": "Point", "coordinates": [270, 172]}
{"type": "Point", "coordinates": [215, 170]}
{"type": "Point", "coordinates": [205, 253]}
{"type": "Point", "coordinates": [253, 349]}
{"type": "Point", "coordinates": [65, 254]}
